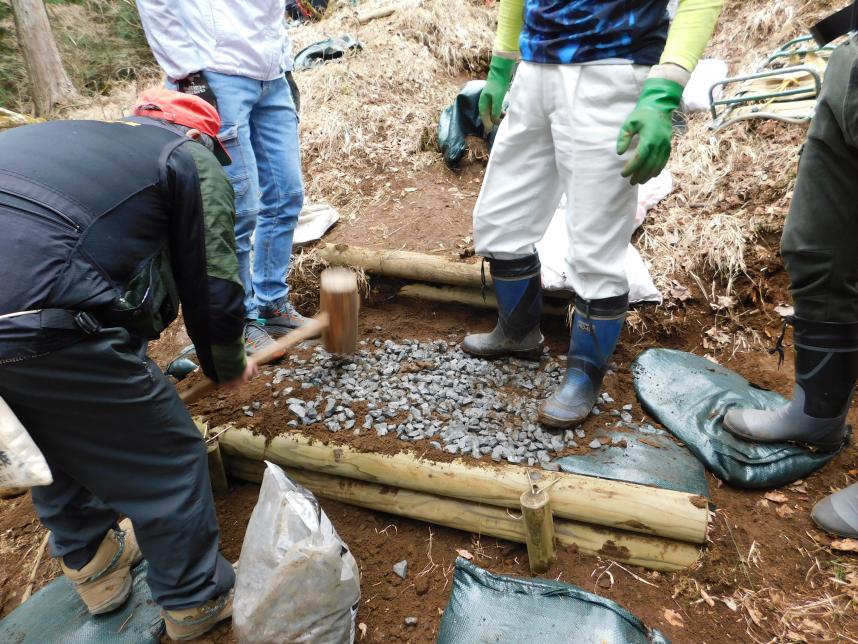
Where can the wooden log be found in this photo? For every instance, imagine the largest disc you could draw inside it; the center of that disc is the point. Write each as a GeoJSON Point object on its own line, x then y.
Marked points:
{"type": "Point", "coordinates": [369, 16]}
{"type": "Point", "coordinates": [404, 264]}
{"type": "Point", "coordinates": [616, 504]}
{"type": "Point", "coordinates": [469, 296]}
{"type": "Point", "coordinates": [538, 530]}
{"type": "Point", "coordinates": [650, 552]}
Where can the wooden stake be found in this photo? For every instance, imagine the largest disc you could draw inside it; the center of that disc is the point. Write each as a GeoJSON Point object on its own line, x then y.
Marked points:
{"type": "Point", "coordinates": [469, 296]}
{"type": "Point", "coordinates": [217, 472]}
{"type": "Point", "coordinates": [32, 580]}
{"type": "Point", "coordinates": [404, 265]}
{"type": "Point", "coordinates": [538, 530]}
{"type": "Point", "coordinates": [635, 549]}
{"type": "Point", "coordinates": [615, 504]}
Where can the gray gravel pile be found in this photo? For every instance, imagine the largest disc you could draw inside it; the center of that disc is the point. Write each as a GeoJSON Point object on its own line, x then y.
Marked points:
{"type": "Point", "coordinates": [432, 390]}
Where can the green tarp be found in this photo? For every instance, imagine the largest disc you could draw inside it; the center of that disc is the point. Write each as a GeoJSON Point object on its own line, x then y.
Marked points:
{"type": "Point", "coordinates": [56, 614]}
{"type": "Point", "coordinates": [690, 395]}
{"type": "Point", "coordinates": [487, 608]}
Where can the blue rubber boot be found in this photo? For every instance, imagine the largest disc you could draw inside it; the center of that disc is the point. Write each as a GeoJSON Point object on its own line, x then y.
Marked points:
{"type": "Point", "coordinates": [518, 286]}
{"type": "Point", "coordinates": [596, 327]}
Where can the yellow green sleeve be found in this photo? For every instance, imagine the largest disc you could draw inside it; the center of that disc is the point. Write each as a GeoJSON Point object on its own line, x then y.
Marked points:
{"type": "Point", "coordinates": [510, 18]}
{"type": "Point", "coordinates": [689, 32]}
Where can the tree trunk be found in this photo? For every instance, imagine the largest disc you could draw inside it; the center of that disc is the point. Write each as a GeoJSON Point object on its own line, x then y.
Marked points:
{"type": "Point", "coordinates": [48, 78]}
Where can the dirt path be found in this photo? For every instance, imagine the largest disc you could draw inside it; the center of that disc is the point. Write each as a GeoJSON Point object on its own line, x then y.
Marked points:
{"type": "Point", "coordinates": [764, 558]}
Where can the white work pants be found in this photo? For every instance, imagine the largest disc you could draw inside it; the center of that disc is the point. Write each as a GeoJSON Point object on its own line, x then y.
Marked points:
{"type": "Point", "coordinates": [560, 136]}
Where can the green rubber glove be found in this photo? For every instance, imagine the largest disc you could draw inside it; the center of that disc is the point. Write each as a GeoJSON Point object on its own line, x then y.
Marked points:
{"type": "Point", "coordinates": [497, 85]}
{"type": "Point", "coordinates": [650, 121]}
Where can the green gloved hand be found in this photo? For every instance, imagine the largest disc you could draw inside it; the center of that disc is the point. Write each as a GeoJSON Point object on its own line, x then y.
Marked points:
{"type": "Point", "coordinates": [650, 121]}
{"type": "Point", "coordinates": [497, 85]}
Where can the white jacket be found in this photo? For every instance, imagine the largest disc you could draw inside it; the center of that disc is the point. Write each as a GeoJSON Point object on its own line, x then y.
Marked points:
{"type": "Point", "coordinates": [237, 37]}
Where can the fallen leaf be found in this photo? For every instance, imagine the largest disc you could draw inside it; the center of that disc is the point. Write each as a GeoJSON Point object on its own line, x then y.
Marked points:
{"type": "Point", "coordinates": [762, 503]}
{"type": "Point", "coordinates": [801, 489]}
{"type": "Point", "coordinates": [604, 440]}
{"type": "Point", "coordinates": [784, 311]}
{"type": "Point", "coordinates": [845, 545]}
{"type": "Point", "coordinates": [673, 618]}
{"type": "Point", "coordinates": [718, 335]}
{"type": "Point", "coordinates": [729, 603]}
{"type": "Point", "coordinates": [724, 302]}
{"type": "Point", "coordinates": [853, 472]}
{"type": "Point", "coordinates": [362, 629]}
{"type": "Point", "coordinates": [776, 497]}
{"type": "Point", "coordinates": [464, 554]}
{"type": "Point", "coordinates": [784, 511]}
{"type": "Point", "coordinates": [648, 441]}
{"type": "Point", "coordinates": [679, 292]}
{"type": "Point", "coordinates": [755, 616]}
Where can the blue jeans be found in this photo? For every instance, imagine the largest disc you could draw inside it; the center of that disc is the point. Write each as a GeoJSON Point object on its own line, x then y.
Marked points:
{"type": "Point", "coordinates": [259, 129]}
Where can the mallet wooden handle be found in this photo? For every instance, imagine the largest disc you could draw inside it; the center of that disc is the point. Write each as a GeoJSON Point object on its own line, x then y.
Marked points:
{"type": "Point", "coordinates": [311, 329]}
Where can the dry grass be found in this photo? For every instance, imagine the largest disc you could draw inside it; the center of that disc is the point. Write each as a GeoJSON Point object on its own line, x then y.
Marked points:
{"type": "Point", "coordinates": [374, 114]}
{"type": "Point", "coordinates": [737, 182]}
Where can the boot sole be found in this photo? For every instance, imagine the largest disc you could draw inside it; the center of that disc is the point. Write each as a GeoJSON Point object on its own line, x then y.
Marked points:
{"type": "Point", "coordinates": [200, 630]}
{"type": "Point", "coordinates": [559, 423]}
{"type": "Point", "coordinates": [823, 447]}
{"type": "Point", "coordinates": [524, 354]}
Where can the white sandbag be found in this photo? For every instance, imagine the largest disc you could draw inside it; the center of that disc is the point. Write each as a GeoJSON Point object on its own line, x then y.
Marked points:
{"type": "Point", "coordinates": [296, 580]}
{"type": "Point", "coordinates": [21, 462]}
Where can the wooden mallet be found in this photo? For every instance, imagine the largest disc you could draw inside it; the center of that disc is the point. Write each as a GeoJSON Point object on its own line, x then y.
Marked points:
{"type": "Point", "coordinates": [337, 322]}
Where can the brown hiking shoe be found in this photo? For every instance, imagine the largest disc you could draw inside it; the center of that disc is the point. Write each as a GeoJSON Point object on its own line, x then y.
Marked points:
{"type": "Point", "coordinates": [105, 582]}
{"type": "Point", "coordinates": [190, 623]}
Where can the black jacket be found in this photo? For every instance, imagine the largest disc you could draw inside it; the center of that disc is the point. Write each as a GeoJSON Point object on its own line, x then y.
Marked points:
{"type": "Point", "coordinates": [122, 220]}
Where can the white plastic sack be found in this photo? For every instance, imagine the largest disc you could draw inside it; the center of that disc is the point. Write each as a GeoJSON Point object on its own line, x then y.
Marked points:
{"type": "Point", "coordinates": [314, 221]}
{"type": "Point", "coordinates": [553, 248]}
{"type": "Point", "coordinates": [709, 71]}
{"type": "Point", "coordinates": [21, 462]}
{"type": "Point", "coordinates": [296, 580]}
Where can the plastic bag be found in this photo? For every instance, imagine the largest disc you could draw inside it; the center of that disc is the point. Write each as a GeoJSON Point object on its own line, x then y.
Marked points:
{"type": "Point", "coordinates": [21, 462]}
{"type": "Point", "coordinates": [296, 580]}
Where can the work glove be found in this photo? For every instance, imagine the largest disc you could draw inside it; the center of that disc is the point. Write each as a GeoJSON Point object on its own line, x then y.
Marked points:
{"type": "Point", "coordinates": [651, 122]}
{"type": "Point", "coordinates": [197, 85]}
{"type": "Point", "coordinates": [497, 85]}
{"type": "Point", "coordinates": [296, 93]}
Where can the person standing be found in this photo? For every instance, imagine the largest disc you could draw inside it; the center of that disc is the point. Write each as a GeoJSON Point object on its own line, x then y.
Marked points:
{"type": "Point", "coordinates": [587, 86]}
{"type": "Point", "coordinates": [236, 55]}
{"type": "Point", "coordinates": [107, 227]}
{"type": "Point", "coordinates": [818, 248]}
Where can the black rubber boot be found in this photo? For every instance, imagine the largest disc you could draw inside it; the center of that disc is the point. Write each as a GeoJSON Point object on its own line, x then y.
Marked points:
{"type": "Point", "coordinates": [518, 286]}
{"type": "Point", "coordinates": [596, 328]}
{"type": "Point", "coordinates": [826, 368]}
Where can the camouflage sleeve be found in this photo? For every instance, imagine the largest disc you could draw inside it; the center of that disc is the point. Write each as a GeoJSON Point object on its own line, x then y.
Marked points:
{"type": "Point", "coordinates": [205, 262]}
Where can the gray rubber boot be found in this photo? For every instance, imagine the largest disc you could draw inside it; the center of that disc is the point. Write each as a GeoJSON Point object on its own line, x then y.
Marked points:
{"type": "Point", "coordinates": [499, 343]}
{"type": "Point", "coordinates": [826, 368]}
{"type": "Point", "coordinates": [788, 424]}
{"type": "Point", "coordinates": [838, 513]}
{"type": "Point", "coordinates": [518, 286]}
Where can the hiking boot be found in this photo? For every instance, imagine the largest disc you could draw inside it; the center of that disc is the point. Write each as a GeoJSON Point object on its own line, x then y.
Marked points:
{"type": "Point", "coordinates": [190, 623]}
{"type": "Point", "coordinates": [838, 513]}
{"type": "Point", "coordinates": [826, 368]}
{"type": "Point", "coordinates": [104, 584]}
{"type": "Point", "coordinates": [283, 319]}
{"type": "Point", "coordinates": [518, 286]}
{"type": "Point", "coordinates": [596, 327]}
{"type": "Point", "coordinates": [256, 338]}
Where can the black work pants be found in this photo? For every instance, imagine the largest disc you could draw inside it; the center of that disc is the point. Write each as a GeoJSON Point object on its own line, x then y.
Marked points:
{"type": "Point", "coordinates": [820, 239]}
{"type": "Point", "coordinates": [119, 440]}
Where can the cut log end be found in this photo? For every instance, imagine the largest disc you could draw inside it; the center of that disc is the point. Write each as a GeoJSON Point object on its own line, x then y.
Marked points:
{"type": "Point", "coordinates": [538, 530]}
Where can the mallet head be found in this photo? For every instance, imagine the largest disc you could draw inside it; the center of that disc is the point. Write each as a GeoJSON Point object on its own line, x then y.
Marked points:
{"type": "Point", "coordinates": [339, 299]}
